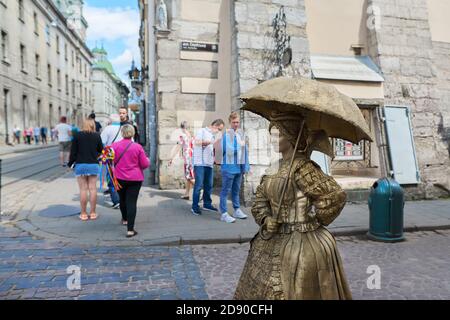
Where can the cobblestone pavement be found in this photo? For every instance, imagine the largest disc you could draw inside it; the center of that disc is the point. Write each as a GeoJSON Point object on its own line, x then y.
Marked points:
{"type": "Point", "coordinates": [33, 268]}
{"type": "Point", "coordinates": [417, 268]}
{"type": "Point", "coordinates": [36, 269]}
{"type": "Point", "coordinates": [34, 170]}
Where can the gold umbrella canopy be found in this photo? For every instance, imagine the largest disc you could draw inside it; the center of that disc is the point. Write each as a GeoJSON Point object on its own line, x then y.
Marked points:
{"type": "Point", "coordinates": [321, 104]}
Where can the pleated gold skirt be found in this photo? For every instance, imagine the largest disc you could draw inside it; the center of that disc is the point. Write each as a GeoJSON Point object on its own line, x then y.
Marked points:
{"type": "Point", "coordinates": [296, 266]}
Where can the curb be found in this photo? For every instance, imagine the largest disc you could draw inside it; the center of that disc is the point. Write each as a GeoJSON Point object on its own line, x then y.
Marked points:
{"type": "Point", "coordinates": [242, 240]}
{"type": "Point", "coordinates": [26, 226]}
{"type": "Point", "coordinates": [21, 222]}
{"type": "Point", "coordinates": [28, 150]}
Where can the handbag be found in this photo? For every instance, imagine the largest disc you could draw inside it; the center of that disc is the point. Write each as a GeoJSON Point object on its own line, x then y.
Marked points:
{"type": "Point", "coordinates": [123, 153]}
{"type": "Point", "coordinates": [117, 134]}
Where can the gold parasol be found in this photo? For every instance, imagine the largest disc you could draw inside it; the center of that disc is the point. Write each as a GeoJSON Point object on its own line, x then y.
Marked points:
{"type": "Point", "coordinates": [319, 141]}
{"type": "Point", "coordinates": [323, 107]}
{"type": "Point", "coordinates": [324, 110]}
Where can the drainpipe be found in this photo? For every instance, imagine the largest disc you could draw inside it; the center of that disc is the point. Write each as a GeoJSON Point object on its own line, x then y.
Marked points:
{"type": "Point", "coordinates": [151, 114]}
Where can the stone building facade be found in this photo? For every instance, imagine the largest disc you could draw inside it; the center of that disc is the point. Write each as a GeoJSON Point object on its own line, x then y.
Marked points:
{"type": "Point", "coordinates": [45, 67]}
{"type": "Point", "coordinates": [379, 52]}
{"type": "Point", "coordinates": [416, 74]}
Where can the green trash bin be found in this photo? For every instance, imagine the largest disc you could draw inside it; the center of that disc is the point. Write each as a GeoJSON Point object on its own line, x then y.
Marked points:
{"type": "Point", "coordinates": [386, 204]}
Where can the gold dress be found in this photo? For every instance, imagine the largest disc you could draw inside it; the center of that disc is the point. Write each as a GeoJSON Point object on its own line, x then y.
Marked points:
{"type": "Point", "coordinates": [301, 260]}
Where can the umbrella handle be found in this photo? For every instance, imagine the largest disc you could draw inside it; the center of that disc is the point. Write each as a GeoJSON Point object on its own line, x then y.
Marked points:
{"type": "Point", "coordinates": [265, 235]}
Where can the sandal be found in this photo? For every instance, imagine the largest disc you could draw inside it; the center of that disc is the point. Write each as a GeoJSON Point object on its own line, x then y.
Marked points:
{"type": "Point", "coordinates": [84, 217]}
{"type": "Point", "coordinates": [132, 235]}
{"type": "Point", "coordinates": [93, 216]}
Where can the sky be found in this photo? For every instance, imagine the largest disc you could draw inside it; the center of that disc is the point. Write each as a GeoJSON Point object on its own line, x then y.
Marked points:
{"type": "Point", "coordinates": [115, 24]}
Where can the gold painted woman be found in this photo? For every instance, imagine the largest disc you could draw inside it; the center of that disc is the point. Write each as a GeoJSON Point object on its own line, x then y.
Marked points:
{"type": "Point", "coordinates": [294, 256]}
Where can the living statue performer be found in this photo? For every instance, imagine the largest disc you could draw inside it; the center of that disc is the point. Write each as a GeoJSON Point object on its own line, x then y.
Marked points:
{"type": "Point", "coordinates": [294, 256]}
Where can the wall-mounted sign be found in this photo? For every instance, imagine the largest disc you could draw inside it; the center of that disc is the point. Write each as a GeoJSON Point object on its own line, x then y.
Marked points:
{"type": "Point", "coordinates": [199, 46]}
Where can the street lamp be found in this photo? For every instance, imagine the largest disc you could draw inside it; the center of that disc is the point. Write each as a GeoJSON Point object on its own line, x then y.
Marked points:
{"type": "Point", "coordinates": [134, 74]}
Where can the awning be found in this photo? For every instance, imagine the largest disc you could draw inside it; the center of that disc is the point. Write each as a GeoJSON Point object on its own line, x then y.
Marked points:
{"type": "Point", "coordinates": [356, 68]}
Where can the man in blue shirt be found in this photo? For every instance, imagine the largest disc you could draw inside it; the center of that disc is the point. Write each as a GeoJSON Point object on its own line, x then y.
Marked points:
{"type": "Point", "coordinates": [234, 165]}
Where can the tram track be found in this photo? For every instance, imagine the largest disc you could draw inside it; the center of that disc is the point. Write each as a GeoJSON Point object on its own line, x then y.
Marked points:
{"type": "Point", "coordinates": [29, 166]}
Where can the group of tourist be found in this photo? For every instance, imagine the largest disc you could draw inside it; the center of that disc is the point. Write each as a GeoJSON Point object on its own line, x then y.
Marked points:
{"type": "Point", "coordinates": [211, 145]}
{"type": "Point", "coordinates": [214, 145]}
{"type": "Point", "coordinates": [85, 148]}
{"type": "Point", "coordinates": [30, 135]}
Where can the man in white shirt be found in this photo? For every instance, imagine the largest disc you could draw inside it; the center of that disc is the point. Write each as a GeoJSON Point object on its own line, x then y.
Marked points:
{"type": "Point", "coordinates": [203, 160]}
{"type": "Point", "coordinates": [109, 135]}
{"type": "Point", "coordinates": [112, 132]}
{"type": "Point", "coordinates": [64, 132]}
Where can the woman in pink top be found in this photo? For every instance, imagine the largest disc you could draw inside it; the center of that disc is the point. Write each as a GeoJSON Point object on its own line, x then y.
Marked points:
{"type": "Point", "coordinates": [130, 162]}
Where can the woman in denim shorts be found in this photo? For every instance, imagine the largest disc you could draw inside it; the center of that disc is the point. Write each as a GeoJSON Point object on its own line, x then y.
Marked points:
{"type": "Point", "coordinates": [86, 148]}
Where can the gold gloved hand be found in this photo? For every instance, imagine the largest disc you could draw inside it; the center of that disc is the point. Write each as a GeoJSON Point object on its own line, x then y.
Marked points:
{"type": "Point", "coordinates": [271, 225]}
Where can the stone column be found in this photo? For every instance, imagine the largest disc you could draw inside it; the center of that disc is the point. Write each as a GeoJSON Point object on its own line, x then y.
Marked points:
{"type": "Point", "coordinates": [252, 51]}
{"type": "Point", "coordinates": [400, 43]}
{"type": "Point", "coordinates": [173, 105]}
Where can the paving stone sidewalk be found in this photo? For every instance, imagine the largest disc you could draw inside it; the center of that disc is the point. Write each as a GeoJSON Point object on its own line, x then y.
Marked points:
{"type": "Point", "coordinates": [32, 268]}
{"type": "Point", "coordinates": [164, 218]}
{"type": "Point", "coordinates": [416, 269]}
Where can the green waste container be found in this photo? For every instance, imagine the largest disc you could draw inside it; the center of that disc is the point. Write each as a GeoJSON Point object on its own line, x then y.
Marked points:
{"type": "Point", "coordinates": [386, 204]}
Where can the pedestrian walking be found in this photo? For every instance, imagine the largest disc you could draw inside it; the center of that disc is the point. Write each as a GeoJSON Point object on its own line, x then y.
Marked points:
{"type": "Point", "coordinates": [234, 164]}
{"type": "Point", "coordinates": [185, 144]}
{"type": "Point", "coordinates": [203, 159]}
{"type": "Point", "coordinates": [36, 133]}
{"type": "Point", "coordinates": [29, 134]}
{"type": "Point", "coordinates": [98, 126]}
{"type": "Point", "coordinates": [24, 136]}
{"type": "Point", "coordinates": [17, 132]}
{"type": "Point", "coordinates": [85, 150]}
{"type": "Point", "coordinates": [125, 119]}
{"type": "Point", "coordinates": [74, 131]}
{"type": "Point", "coordinates": [130, 163]}
{"type": "Point", "coordinates": [110, 135]}
{"type": "Point", "coordinates": [63, 132]}
{"type": "Point", "coordinates": [44, 135]}
{"type": "Point", "coordinates": [53, 134]}
{"type": "Point", "coordinates": [123, 113]}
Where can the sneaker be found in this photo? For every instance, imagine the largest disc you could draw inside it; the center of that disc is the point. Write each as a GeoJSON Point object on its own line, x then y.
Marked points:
{"type": "Point", "coordinates": [211, 208]}
{"type": "Point", "coordinates": [109, 203]}
{"type": "Point", "coordinates": [227, 218]}
{"type": "Point", "coordinates": [196, 212]}
{"type": "Point", "coordinates": [238, 214]}
{"type": "Point", "coordinates": [116, 206]}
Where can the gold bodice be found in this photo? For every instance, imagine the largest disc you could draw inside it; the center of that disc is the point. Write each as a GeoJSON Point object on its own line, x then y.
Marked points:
{"type": "Point", "coordinates": [296, 208]}
{"type": "Point", "coordinates": [308, 187]}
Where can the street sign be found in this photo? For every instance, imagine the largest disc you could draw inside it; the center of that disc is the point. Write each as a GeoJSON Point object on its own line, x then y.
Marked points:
{"type": "Point", "coordinates": [199, 46]}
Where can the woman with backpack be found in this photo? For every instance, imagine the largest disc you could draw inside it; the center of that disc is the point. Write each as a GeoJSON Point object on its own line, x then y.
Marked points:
{"type": "Point", "coordinates": [130, 162]}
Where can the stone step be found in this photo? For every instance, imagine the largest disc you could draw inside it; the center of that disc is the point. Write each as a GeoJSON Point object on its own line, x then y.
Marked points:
{"type": "Point", "coordinates": [358, 195]}
{"type": "Point", "coordinates": [357, 188]}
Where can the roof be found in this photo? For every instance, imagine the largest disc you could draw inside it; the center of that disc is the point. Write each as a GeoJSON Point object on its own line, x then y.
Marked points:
{"type": "Point", "coordinates": [357, 68]}
{"type": "Point", "coordinates": [99, 51]}
{"type": "Point", "coordinates": [106, 65]}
